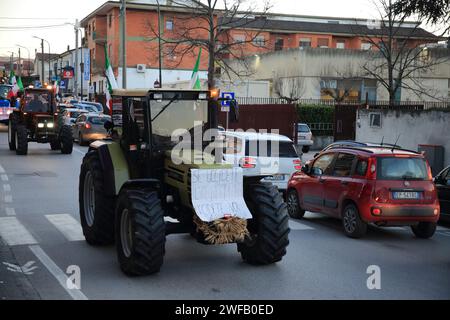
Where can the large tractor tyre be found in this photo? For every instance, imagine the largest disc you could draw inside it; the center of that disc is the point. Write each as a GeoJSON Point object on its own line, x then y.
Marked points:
{"type": "Point", "coordinates": [306, 149]}
{"type": "Point", "coordinates": [55, 145]}
{"type": "Point", "coordinates": [269, 227]}
{"type": "Point", "coordinates": [66, 140]}
{"type": "Point", "coordinates": [140, 232]}
{"type": "Point", "coordinates": [96, 209]}
{"type": "Point", "coordinates": [293, 203]}
{"type": "Point", "coordinates": [12, 134]}
{"type": "Point", "coordinates": [424, 230]}
{"type": "Point", "coordinates": [21, 138]}
{"type": "Point", "coordinates": [354, 226]}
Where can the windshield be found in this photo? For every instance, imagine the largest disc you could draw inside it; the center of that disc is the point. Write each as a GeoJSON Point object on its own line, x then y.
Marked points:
{"type": "Point", "coordinates": [98, 120]}
{"type": "Point", "coordinates": [267, 148]}
{"type": "Point", "coordinates": [37, 102]}
{"type": "Point", "coordinates": [4, 92]}
{"type": "Point", "coordinates": [178, 115]}
{"type": "Point", "coordinates": [303, 128]}
{"type": "Point", "coordinates": [402, 169]}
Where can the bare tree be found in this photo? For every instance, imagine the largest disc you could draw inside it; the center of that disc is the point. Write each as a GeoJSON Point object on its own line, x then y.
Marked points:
{"type": "Point", "coordinates": [209, 24]}
{"type": "Point", "coordinates": [396, 59]}
{"type": "Point", "coordinates": [290, 89]}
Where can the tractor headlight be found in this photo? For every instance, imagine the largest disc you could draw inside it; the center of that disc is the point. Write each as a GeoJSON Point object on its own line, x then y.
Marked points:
{"type": "Point", "coordinates": [41, 125]}
{"type": "Point", "coordinates": [50, 125]}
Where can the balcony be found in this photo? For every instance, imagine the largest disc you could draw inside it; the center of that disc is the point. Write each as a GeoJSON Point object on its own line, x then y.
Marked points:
{"type": "Point", "coordinates": [98, 37]}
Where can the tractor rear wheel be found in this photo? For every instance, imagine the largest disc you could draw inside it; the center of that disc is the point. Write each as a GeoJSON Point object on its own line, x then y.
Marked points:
{"type": "Point", "coordinates": [269, 227]}
{"type": "Point", "coordinates": [96, 209]}
{"type": "Point", "coordinates": [140, 232]}
{"type": "Point", "coordinates": [66, 140]}
{"type": "Point", "coordinates": [21, 138]}
{"type": "Point", "coordinates": [12, 134]}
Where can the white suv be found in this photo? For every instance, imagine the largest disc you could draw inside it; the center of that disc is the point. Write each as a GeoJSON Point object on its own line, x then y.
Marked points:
{"type": "Point", "coordinates": [270, 156]}
{"type": "Point", "coordinates": [305, 137]}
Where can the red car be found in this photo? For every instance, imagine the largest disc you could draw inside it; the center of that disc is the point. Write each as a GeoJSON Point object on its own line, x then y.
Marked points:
{"type": "Point", "coordinates": [362, 185]}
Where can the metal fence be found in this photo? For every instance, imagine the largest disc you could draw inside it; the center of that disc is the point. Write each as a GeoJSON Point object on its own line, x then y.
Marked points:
{"type": "Point", "coordinates": [380, 104]}
{"type": "Point", "coordinates": [321, 129]}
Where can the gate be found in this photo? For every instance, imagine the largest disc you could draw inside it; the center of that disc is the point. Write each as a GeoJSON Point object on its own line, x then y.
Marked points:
{"type": "Point", "coordinates": [345, 122]}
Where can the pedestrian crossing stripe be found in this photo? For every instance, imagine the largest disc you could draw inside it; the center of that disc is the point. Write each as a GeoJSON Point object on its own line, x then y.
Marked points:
{"type": "Point", "coordinates": [67, 225]}
{"type": "Point", "coordinates": [14, 233]}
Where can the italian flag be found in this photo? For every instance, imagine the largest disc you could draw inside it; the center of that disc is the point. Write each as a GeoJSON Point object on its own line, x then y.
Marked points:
{"type": "Point", "coordinates": [195, 79]}
{"type": "Point", "coordinates": [16, 83]}
{"type": "Point", "coordinates": [56, 87]}
{"type": "Point", "coordinates": [112, 84]}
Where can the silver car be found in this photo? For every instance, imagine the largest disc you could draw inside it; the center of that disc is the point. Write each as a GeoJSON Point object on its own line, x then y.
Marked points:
{"type": "Point", "coordinates": [89, 127]}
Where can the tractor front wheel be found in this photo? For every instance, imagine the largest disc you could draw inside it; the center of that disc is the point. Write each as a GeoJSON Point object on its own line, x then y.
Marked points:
{"type": "Point", "coordinates": [96, 209]}
{"type": "Point", "coordinates": [140, 232]}
{"type": "Point", "coordinates": [269, 227]}
{"type": "Point", "coordinates": [66, 140]}
{"type": "Point", "coordinates": [55, 145]}
{"type": "Point", "coordinates": [21, 139]}
{"type": "Point", "coordinates": [12, 135]}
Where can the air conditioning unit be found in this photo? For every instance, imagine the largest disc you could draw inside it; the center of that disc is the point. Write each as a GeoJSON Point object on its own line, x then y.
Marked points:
{"type": "Point", "coordinates": [140, 68]}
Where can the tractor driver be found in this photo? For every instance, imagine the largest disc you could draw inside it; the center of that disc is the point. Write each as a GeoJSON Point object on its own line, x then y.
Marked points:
{"type": "Point", "coordinates": [36, 105]}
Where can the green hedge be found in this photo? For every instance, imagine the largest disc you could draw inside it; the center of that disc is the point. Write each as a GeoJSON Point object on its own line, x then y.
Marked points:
{"type": "Point", "coordinates": [315, 113]}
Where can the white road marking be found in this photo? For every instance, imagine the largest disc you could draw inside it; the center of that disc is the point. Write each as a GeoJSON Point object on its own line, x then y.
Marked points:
{"type": "Point", "coordinates": [440, 228]}
{"type": "Point", "coordinates": [7, 187]}
{"type": "Point", "coordinates": [8, 198]}
{"type": "Point", "coordinates": [79, 151]}
{"type": "Point", "coordinates": [169, 219]}
{"type": "Point", "coordinates": [444, 233]}
{"type": "Point", "coordinates": [67, 225]}
{"type": "Point", "coordinates": [4, 177]}
{"type": "Point", "coordinates": [10, 211]}
{"type": "Point", "coordinates": [59, 275]}
{"type": "Point", "coordinates": [14, 233]}
{"type": "Point", "coordinates": [27, 268]}
{"type": "Point", "coordinates": [295, 225]}
{"type": "Point", "coordinates": [2, 170]}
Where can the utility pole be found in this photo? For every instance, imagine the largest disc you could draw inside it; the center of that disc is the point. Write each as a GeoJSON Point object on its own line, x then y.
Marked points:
{"type": "Point", "coordinates": [19, 66]}
{"type": "Point", "coordinates": [75, 81]}
{"type": "Point", "coordinates": [82, 72]}
{"type": "Point", "coordinates": [123, 42]}
{"type": "Point", "coordinates": [43, 59]}
{"type": "Point", "coordinates": [159, 44]}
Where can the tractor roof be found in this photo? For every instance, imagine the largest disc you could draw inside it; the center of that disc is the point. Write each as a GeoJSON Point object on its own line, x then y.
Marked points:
{"type": "Point", "coordinates": [145, 92]}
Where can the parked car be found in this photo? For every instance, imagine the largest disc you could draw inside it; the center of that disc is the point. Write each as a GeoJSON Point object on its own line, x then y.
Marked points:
{"type": "Point", "coordinates": [70, 115]}
{"type": "Point", "coordinates": [356, 144]}
{"type": "Point", "coordinates": [442, 182]}
{"type": "Point", "coordinates": [96, 105]}
{"type": "Point", "coordinates": [86, 107]}
{"type": "Point", "coordinates": [89, 127]}
{"type": "Point", "coordinates": [368, 185]}
{"type": "Point", "coordinates": [304, 137]}
{"type": "Point", "coordinates": [256, 154]}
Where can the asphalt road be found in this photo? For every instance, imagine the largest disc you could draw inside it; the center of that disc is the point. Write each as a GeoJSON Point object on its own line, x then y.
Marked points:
{"type": "Point", "coordinates": [41, 240]}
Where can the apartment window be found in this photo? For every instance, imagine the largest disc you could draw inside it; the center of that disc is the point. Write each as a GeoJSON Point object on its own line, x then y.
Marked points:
{"type": "Point", "coordinates": [259, 41]}
{"type": "Point", "coordinates": [366, 46]}
{"type": "Point", "coordinates": [323, 42]}
{"type": "Point", "coordinates": [89, 29]}
{"type": "Point", "coordinates": [305, 43]}
{"type": "Point", "coordinates": [169, 25]}
{"type": "Point", "coordinates": [279, 44]}
{"type": "Point", "coordinates": [110, 20]}
{"type": "Point", "coordinates": [239, 38]}
{"type": "Point", "coordinates": [340, 45]}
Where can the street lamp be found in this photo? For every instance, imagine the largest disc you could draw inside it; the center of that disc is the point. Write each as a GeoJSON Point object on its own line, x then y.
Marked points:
{"type": "Point", "coordinates": [28, 57]}
{"type": "Point", "coordinates": [49, 62]}
{"type": "Point", "coordinates": [11, 61]}
{"type": "Point", "coordinates": [82, 76]}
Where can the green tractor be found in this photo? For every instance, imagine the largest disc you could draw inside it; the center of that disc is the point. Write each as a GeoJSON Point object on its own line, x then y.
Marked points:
{"type": "Point", "coordinates": [134, 185]}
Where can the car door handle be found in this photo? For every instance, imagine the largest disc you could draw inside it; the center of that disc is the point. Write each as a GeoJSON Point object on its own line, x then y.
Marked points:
{"type": "Point", "coordinates": [322, 180]}
{"type": "Point", "coordinates": [344, 183]}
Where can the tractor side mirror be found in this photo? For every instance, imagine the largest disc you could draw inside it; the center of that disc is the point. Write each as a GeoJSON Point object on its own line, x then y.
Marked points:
{"type": "Point", "coordinates": [108, 125]}
{"type": "Point", "coordinates": [234, 112]}
{"type": "Point", "coordinates": [305, 169]}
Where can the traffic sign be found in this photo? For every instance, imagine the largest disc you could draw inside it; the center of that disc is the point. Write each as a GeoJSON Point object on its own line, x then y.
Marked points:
{"type": "Point", "coordinates": [62, 84]}
{"type": "Point", "coordinates": [227, 96]}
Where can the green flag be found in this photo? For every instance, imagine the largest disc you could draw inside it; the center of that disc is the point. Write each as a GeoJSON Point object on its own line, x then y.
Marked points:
{"type": "Point", "coordinates": [20, 84]}
{"type": "Point", "coordinates": [195, 79]}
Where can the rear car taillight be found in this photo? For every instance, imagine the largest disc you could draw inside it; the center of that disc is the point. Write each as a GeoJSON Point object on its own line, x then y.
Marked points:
{"type": "Point", "coordinates": [247, 163]}
{"type": "Point", "coordinates": [372, 169]}
{"type": "Point", "coordinates": [297, 164]}
{"type": "Point", "coordinates": [87, 126]}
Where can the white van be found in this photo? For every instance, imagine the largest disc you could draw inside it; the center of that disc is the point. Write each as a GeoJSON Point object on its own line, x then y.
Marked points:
{"type": "Point", "coordinates": [271, 156]}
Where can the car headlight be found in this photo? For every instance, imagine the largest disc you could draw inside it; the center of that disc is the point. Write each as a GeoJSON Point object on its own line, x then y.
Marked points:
{"type": "Point", "coordinates": [50, 125]}
{"type": "Point", "coordinates": [40, 125]}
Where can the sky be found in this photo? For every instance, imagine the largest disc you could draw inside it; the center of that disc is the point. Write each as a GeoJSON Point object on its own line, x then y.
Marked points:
{"type": "Point", "coordinates": [40, 14]}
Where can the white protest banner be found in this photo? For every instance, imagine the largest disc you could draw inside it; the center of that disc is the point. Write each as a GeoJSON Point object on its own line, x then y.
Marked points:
{"type": "Point", "coordinates": [218, 193]}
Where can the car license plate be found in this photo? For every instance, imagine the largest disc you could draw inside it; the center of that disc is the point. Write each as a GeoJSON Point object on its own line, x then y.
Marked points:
{"type": "Point", "coordinates": [278, 177]}
{"type": "Point", "coordinates": [406, 195]}
{"type": "Point", "coordinates": [302, 137]}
